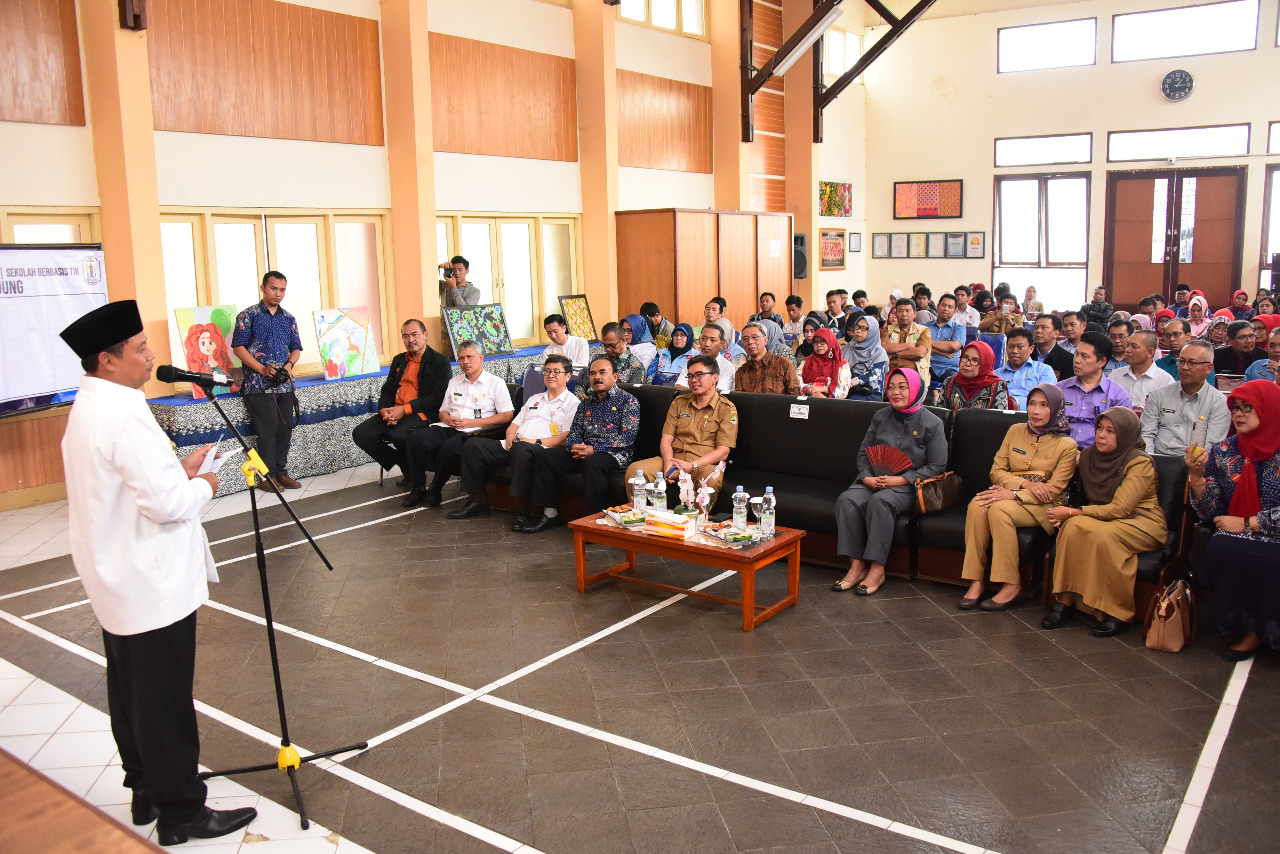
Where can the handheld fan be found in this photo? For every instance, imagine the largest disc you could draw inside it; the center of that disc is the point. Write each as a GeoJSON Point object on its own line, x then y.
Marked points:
{"type": "Point", "coordinates": [887, 460]}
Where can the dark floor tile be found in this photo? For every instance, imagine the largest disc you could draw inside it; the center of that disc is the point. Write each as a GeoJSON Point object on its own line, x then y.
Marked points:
{"type": "Point", "coordinates": [1142, 733]}
{"type": "Point", "coordinates": [550, 749]}
{"type": "Point", "coordinates": [961, 651]}
{"type": "Point", "coordinates": [688, 648]}
{"type": "Point", "coordinates": [992, 624]}
{"type": "Point", "coordinates": [1166, 692]}
{"type": "Point", "coordinates": [1118, 779]}
{"type": "Point", "coordinates": [599, 834]}
{"type": "Point", "coordinates": [725, 702]}
{"type": "Point", "coordinates": [887, 722]}
{"type": "Point", "coordinates": [1023, 646]}
{"type": "Point", "coordinates": [844, 767]}
{"type": "Point", "coordinates": [1149, 823]}
{"type": "Point", "coordinates": [913, 759]}
{"type": "Point", "coordinates": [573, 793]}
{"type": "Point", "coordinates": [924, 630]}
{"type": "Point", "coordinates": [1061, 740]}
{"type": "Point", "coordinates": [1119, 662]}
{"type": "Point", "coordinates": [650, 785]}
{"type": "Point", "coordinates": [462, 760]}
{"type": "Point", "coordinates": [1058, 671]}
{"type": "Point", "coordinates": [782, 698]}
{"type": "Point", "coordinates": [955, 715]}
{"type": "Point", "coordinates": [910, 608]}
{"type": "Point", "coordinates": [771, 822]}
{"type": "Point", "coordinates": [806, 730]}
{"type": "Point", "coordinates": [499, 803]}
{"type": "Point", "coordinates": [1034, 789]}
{"type": "Point", "coordinates": [851, 692]}
{"type": "Point", "coordinates": [821, 665]}
{"type": "Point", "coordinates": [690, 827]}
{"type": "Point", "coordinates": [1087, 829]}
{"type": "Point", "coordinates": [897, 658]}
{"type": "Point", "coordinates": [989, 751]}
{"type": "Point", "coordinates": [690, 675]}
{"type": "Point", "coordinates": [930, 684]}
{"type": "Point", "coordinates": [1098, 700]}
{"type": "Point", "coordinates": [756, 670]}
{"type": "Point", "coordinates": [989, 680]}
{"type": "Point", "coordinates": [944, 802]}
{"type": "Point", "coordinates": [714, 738]}
{"type": "Point", "coordinates": [1030, 708]}
{"type": "Point", "coordinates": [881, 632]}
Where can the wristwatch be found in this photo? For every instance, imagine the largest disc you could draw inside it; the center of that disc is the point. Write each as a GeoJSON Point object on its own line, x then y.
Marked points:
{"type": "Point", "coordinates": [538, 442]}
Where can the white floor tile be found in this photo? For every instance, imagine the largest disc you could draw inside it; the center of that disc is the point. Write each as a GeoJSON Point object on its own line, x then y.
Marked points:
{"type": "Point", "coordinates": [86, 719]}
{"type": "Point", "coordinates": [17, 546]}
{"type": "Point", "coordinates": [312, 845]}
{"type": "Point", "coordinates": [109, 789]}
{"type": "Point", "coordinates": [78, 781]}
{"type": "Point", "coordinates": [224, 787]}
{"type": "Point", "coordinates": [277, 822]}
{"type": "Point", "coordinates": [75, 749]}
{"type": "Point", "coordinates": [42, 692]}
{"type": "Point", "coordinates": [10, 689]}
{"type": "Point", "coordinates": [23, 747]}
{"type": "Point", "coordinates": [120, 812]}
{"type": "Point", "coordinates": [35, 720]}
{"type": "Point", "coordinates": [11, 671]}
{"type": "Point", "coordinates": [346, 846]}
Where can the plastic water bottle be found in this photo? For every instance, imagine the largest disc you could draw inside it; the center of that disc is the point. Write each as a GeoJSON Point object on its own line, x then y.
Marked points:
{"type": "Point", "coordinates": [639, 492]}
{"type": "Point", "coordinates": [740, 500]}
{"type": "Point", "coordinates": [658, 495]}
{"type": "Point", "coordinates": [768, 510]}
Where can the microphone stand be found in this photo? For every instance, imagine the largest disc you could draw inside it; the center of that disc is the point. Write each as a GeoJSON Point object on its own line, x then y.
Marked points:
{"type": "Point", "coordinates": [288, 760]}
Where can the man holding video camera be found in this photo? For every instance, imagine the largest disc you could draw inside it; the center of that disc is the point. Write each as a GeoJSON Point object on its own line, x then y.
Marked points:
{"type": "Point", "coordinates": [267, 343]}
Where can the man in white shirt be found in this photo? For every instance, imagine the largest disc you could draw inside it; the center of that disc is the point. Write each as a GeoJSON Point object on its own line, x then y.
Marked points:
{"type": "Point", "coordinates": [1140, 376]}
{"type": "Point", "coordinates": [966, 314]}
{"type": "Point", "coordinates": [711, 343]}
{"type": "Point", "coordinates": [543, 422]}
{"type": "Point", "coordinates": [473, 401]}
{"type": "Point", "coordinates": [1177, 413]}
{"type": "Point", "coordinates": [564, 344]}
{"type": "Point", "coordinates": [144, 561]}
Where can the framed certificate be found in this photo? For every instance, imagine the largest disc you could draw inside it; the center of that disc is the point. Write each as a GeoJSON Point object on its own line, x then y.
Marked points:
{"type": "Point", "coordinates": [898, 245]}
{"type": "Point", "coordinates": [937, 245]}
{"type": "Point", "coordinates": [975, 244]}
{"type": "Point", "coordinates": [955, 244]}
{"type": "Point", "coordinates": [855, 241]}
{"type": "Point", "coordinates": [916, 244]}
{"type": "Point", "coordinates": [880, 245]}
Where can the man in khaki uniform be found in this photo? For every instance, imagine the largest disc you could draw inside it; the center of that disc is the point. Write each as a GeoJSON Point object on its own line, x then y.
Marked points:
{"type": "Point", "coordinates": [701, 429]}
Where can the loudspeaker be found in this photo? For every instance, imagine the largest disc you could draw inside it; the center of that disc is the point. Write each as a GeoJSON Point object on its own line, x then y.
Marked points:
{"type": "Point", "coordinates": [1275, 271]}
{"type": "Point", "coordinates": [799, 258]}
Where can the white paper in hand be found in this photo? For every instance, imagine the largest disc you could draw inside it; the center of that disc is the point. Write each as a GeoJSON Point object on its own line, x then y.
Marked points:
{"type": "Point", "coordinates": [213, 460]}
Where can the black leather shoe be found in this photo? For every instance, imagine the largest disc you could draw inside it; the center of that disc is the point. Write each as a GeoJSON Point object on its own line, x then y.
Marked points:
{"type": "Point", "coordinates": [1057, 616]}
{"type": "Point", "coordinates": [1108, 628]}
{"type": "Point", "coordinates": [543, 523]}
{"type": "Point", "coordinates": [1230, 654]}
{"type": "Point", "coordinates": [431, 499]}
{"type": "Point", "coordinates": [521, 521]}
{"type": "Point", "coordinates": [142, 811]}
{"type": "Point", "coordinates": [207, 825]}
{"type": "Point", "coordinates": [413, 499]}
{"type": "Point", "coordinates": [404, 481]}
{"type": "Point", "coordinates": [993, 605]}
{"type": "Point", "coordinates": [473, 507]}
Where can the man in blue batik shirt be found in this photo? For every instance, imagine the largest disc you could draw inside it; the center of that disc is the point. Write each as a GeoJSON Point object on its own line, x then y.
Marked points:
{"type": "Point", "coordinates": [947, 339]}
{"type": "Point", "coordinates": [1019, 370]}
{"type": "Point", "coordinates": [267, 343]}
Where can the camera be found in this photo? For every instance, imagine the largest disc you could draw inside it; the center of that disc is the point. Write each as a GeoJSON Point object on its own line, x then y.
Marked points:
{"type": "Point", "coordinates": [279, 378]}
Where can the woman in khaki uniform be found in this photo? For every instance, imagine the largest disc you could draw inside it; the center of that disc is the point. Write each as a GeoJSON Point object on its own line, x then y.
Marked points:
{"type": "Point", "coordinates": [1029, 475]}
{"type": "Point", "coordinates": [1099, 543]}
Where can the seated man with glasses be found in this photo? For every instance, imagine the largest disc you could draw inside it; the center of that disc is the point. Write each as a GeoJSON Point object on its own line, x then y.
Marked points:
{"type": "Point", "coordinates": [1241, 351]}
{"type": "Point", "coordinates": [1268, 368]}
{"type": "Point", "coordinates": [1173, 412]}
{"type": "Point", "coordinates": [1176, 335]}
{"type": "Point", "coordinates": [543, 423]}
{"type": "Point", "coordinates": [700, 431]}
{"type": "Point", "coordinates": [763, 372]}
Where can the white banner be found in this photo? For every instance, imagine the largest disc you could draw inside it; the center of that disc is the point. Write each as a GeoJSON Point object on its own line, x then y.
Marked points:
{"type": "Point", "coordinates": [41, 292]}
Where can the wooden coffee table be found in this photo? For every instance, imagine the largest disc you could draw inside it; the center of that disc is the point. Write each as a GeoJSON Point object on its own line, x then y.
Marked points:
{"type": "Point", "coordinates": [745, 562]}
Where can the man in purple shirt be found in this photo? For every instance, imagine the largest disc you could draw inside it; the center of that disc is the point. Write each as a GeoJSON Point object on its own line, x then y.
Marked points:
{"type": "Point", "coordinates": [1089, 393]}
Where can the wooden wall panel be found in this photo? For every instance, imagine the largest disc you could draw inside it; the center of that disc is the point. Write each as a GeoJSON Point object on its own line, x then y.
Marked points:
{"type": "Point", "coordinates": [647, 260]}
{"type": "Point", "coordinates": [767, 194]}
{"type": "Point", "coordinates": [738, 265]}
{"type": "Point", "coordinates": [492, 99]}
{"type": "Point", "coordinates": [768, 155]}
{"type": "Point", "coordinates": [35, 443]}
{"type": "Point", "coordinates": [766, 24]}
{"type": "Point", "coordinates": [40, 57]}
{"type": "Point", "coordinates": [767, 107]}
{"type": "Point", "coordinates": [663, 124]}
{"type": "Point", "coordinates": [773, 271]}
{"type": "Point", "coordinates": [696, 264]}
{"type": "Point", "coordinates": [265, 68]}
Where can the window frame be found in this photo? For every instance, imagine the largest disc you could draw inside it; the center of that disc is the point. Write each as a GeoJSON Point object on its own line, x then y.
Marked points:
{"type": "Point", "coordinates": [1042, 220]}
{"type": "Point", "coordinates": [1248, 143]}
{"type": "Point", "coordinates": [679, 30]}
{"type": "Point", "coordinates": [88, 219]}
{"type": "Point", "coordinates": [995, 150]}
{"type": "Point", "coordinates": [826, 52]}
{"type": "Point", "coordinates": [1093, 18]}
{"type": "Point", "coordinates": [1273, 138]}
{"type": "Point", "coordinates": [1256, 28]}
{"type": "Point", "coordinates": [1269, 185]}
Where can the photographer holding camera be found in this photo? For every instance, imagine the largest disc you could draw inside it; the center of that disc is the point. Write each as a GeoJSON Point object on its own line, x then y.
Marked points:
{"type": "Point", "coordinates": [267, 343]}
{"type": "Point", "coordinates": [454, 287]}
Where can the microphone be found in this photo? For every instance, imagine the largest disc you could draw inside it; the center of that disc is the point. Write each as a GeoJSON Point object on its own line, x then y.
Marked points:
{"type": "Point", "coordinates": [170, 374]}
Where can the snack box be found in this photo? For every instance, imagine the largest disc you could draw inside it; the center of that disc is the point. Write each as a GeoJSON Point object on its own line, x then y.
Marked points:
{"type": "Point", "coordinates": [731, 535]}
{"type": "Point", "coordinates": [626, 516]}
{"type": "Point", "coordinates": [665, 524]}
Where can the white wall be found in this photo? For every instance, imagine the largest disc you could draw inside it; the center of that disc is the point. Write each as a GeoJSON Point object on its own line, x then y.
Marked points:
{"type": "Point", "coordinates": [842, 157]}
{"type": "Point", "coordinates": [641, 189]}
{"type": "Point", "coordinates": [50, 165]}
{"type": "Point", "coordinates": [650, 51]}
{"type": "Point", "coordinates": [526, 24]}
{"type": "Point", "coordinates": [477, 182]}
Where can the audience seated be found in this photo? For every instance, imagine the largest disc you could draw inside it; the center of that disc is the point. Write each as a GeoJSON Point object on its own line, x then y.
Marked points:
{"type": "Point", "coordinates": [926, 311]}
{"type": "Point", "coordinates": [1266, 304]}
{"type": "Point", "coordinates": [543, 423]}
{"type": "Point", "coordinates": [1268, 368]}
{"type": "Point", "coordinates": [671, 359]}
{"type": "Point", "coordinates": [1031, 307]}
{"type": "Point", "coordinates": [1217, 334]}
{"type": "Point", "coordinates": [1098, 310]}
{"type": "Point", "coordinates": [1020, 372]}
{"type": "Point", "coordinates": [473, 401]}
{"type": "Point", "coordinates": [867, 511]}
{"type": "Point", "coordinates": [659, 327]}
{"type": "Point", "coordinates": [1003, 318]}
{"type": "Point", "coordinates": [700, 431]}
{"type": "Point", "coordinates": [1029, 475]}
{"type": "Point", "coordinates": [946, 338]}
{"type": "Point", "coordinates": [1181, 299]}
{"type": "Point", "coordinates": [966, 314]}
{"type": "Point", "coordinates": [410, 398]}
{"type": "Point", "coordinates": [808, 329]}
{"type": "Point", "coordinates": [977, 386]}
{"type": "Point", "coordinates": [635, 332]}
{"type": "Point", "coordinates": [868, 362]}
{"type": "Point", "coordinates": [775, 343]}
{"type": "Point", "coordinates": [825, 373]}
{"type": "Point", "coordinates": [1089, 392]}
{"type": "Point", "coordinates": [629, 368]}
{"type": "Point", "coordinates": [1198, 316]}
{"type": "Point", "coordinates": [792, 329]}
{"type": "Point", "coordinates": [983, 302]}
{"type": "Point", "coordinates": [1098, 543]}
{"type": "Point", "coordinates": [766, 303]}
{"type": "Point", "coordinates": [1176, 335]}
{"type": "Point", "coordinates": [599, 442]}
{"type": "Point", "coordinates": [1048, 350]}
{"type": "Point", "coordinates": [1140, 376]}
{"type": "Point", "coordinates": [1241, 352]}
{"type": "Point", "coordinates": [907, 342]}
{"type": "Point", "coordinates": [732, 351]}
{"type": "Point", "coordinates": [764, 372]}
{"type": "Point", "coordinates": [1235, 487]}
{"type": "Point", "coordinates": [711, 312]}
{"type": "Point", "coordinates": [1118, 332]}
{"type": "Point", "coordinates": [837, 312]}
{"type": "Point", "coordinates": [1073, 326]}
{"type": "Point", "coordinates": [1172, 413]}
{"type": "Point", "coordinates": [711, 343]}
{"type": "Point", "coordinates": [1240, 308]}
{"type": "Point", "coordinates": [564, 344]}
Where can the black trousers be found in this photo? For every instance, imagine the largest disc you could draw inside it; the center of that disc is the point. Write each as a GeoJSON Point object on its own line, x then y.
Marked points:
{"type": "Point", "coordinates": [153, 716]}
{"type": "Point", "coordinates": [386, 445]}
{"type": "Point", "coordinates": [438, 449]}
{"type": "Point", "coordinates": [480, 455]}
{"type": "Point", "coordinates": [274, 425]}
{"type": "Point", "coordinates": [554, 463]}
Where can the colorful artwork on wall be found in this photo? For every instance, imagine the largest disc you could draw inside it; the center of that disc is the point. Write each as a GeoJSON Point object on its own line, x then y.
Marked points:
{"type": "Point", "coordinates": [831, 248]}
{"type": "Point", "coordinates": [206, 341]}
{"type": "Point", "coordinates": [577, 313]}
{"type": "Point", "coordinates": [484, 324]}
{"type": "Point", "coordinates": [835, 199]}
{"type": "Point", "coordinates": [347, 344]}
{"type": "Point", "coordinates": [928, 199]}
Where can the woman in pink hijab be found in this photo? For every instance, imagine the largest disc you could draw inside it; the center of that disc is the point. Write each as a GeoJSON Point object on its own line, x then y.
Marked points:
{"type": "Point", "coordinates": [1198, 316]}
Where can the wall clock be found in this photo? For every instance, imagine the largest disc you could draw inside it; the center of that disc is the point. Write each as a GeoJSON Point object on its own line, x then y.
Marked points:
{"type": "Point", "coordinates": [1177, 85]}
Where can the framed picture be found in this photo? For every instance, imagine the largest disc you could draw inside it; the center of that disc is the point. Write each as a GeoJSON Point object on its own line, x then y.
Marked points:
{"type": "Point", "coordinates": [346, 340]}
{"type": "Point", "coordinates": [835, 199]}
{"type": "Point", "coordinates": [855, 241]}
{"type": "Point", "coordinates": [831, 249]}
{"type": "Point", "coordinates": [880, 245]}
{"type": "Point", "coordinates": [898, 245]}
{"type": "Point", "coordinates": [484, 324]}
{"type": "Point", "coordinates": [975, 245]}
{"type": "Point", "coordinates": [916, 244]}
{"type": "Point", "coordinates": [955, 244]}
{"type": "Point", "coordinates": [937, 247]}
{"type": "Point", "coordinates": [577, 313]}
{"type": "Point", "coordinates": [928, 199]}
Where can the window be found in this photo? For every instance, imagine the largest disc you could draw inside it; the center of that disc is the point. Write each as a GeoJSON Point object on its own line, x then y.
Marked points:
{"type": "Point", "coordinates": [48, 226]}
{"type": "Point", "coordinates": [1271, 228]}
{"type": "Point", "coordinates": [1273, 138]}
{"type": "Point", "coordinates": [686, 17]}
{"type": "Point", "coordinates": [1044, 150]}
{"type": "Point", "coordinates": [1042, 236]}
{"type": "Point", "coordinates": [1185, 31]}
{"type": "Point", "coordinates": [840, 50]}
{"type": "Point", "coordinates": [1222, 141]}
{"type": "Point", "coordinates": [1057, 45]}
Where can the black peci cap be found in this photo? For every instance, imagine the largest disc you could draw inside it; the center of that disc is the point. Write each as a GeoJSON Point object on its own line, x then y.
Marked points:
{"type": "Point", "coordinates": [102, 328]}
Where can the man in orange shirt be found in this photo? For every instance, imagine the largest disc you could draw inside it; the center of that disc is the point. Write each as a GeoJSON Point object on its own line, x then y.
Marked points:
{"type": "Point", "coordinates": [410, 398]}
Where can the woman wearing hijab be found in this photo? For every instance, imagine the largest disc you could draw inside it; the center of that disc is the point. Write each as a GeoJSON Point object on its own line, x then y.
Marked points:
{"type": "Point", "coordinates": [641, 339]}
{"type": "Point", "coordinates": [672, 360]}
{"type": "Point", "coordinates": [1031, 306]}
{"type": "Point", "coordinates": [1240, 308]}
{"type": "Point", "coordinates": [1217, 334]}
{"type": "Point", "coordinates": [868, 362]}
{"type": "Point", "coordinates": [774, 341]}
{"type": "Point", "coordinates": [1099, 543]}
{"type": "Point", "coordinates": [1235, 486]}
{"type": "Point", "coordinates": [1198, 316]}
{"type": "Point", "coordinates": [733, 351]}
{"type": "Point", "coordinates": [976, 386]}
{"type": "Point", "coordinates": [1163, 316]}
{"type": "Point", "coordinates": [889, 305]}
{"type": "Point", "coordinates": [811, 325]}
{"type": "Point", "coordinates": [1029, 475]}
{"type": "Point", "coordinates": [1141, 322]}
{"type": "Point", "coordinates": [984, 302]}
{"type": "Point", "coordinates": [825, 373]}
{"type": "Point", "coordinates": [867, 511]}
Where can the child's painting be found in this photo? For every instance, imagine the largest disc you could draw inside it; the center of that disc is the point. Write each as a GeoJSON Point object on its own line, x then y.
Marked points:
{"type": "Point", "coordinates": [483, 324]}
{"type": "Point", "coordinates": [577, 313]}
{"type": "Point", "coordinates": [206, 341]}
{"type": "Point", "coordinates": [348, 347]}
{"type": "Point", "coordinates": [835, 199]}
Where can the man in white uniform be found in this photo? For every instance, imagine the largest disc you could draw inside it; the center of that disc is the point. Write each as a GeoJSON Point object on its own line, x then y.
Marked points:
{"type": "Point", "coordinates": [564, 344]}
{"type": "Point", "coordinates": [543, 423]}
{"type": "Point", "coordinates": [141, 553]}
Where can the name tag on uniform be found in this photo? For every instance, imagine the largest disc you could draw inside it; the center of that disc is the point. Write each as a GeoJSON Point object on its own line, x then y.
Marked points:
{"type": "Point", "coordinates": [555, 429]}
{"type": "Point", "coordinates": [684, 415]}
{"type": "Point", "coordinates": [1019, 451]}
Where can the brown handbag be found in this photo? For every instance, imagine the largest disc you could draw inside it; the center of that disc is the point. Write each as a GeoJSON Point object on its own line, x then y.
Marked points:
{"type": "Point", "coordinates": [1171, 619]}
{"type": "Point", "coordinates": [938, 493]}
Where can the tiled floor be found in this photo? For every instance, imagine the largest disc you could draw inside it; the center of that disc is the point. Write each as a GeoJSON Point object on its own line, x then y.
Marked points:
{"type": "Point", "coordinates": [507, 710]}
